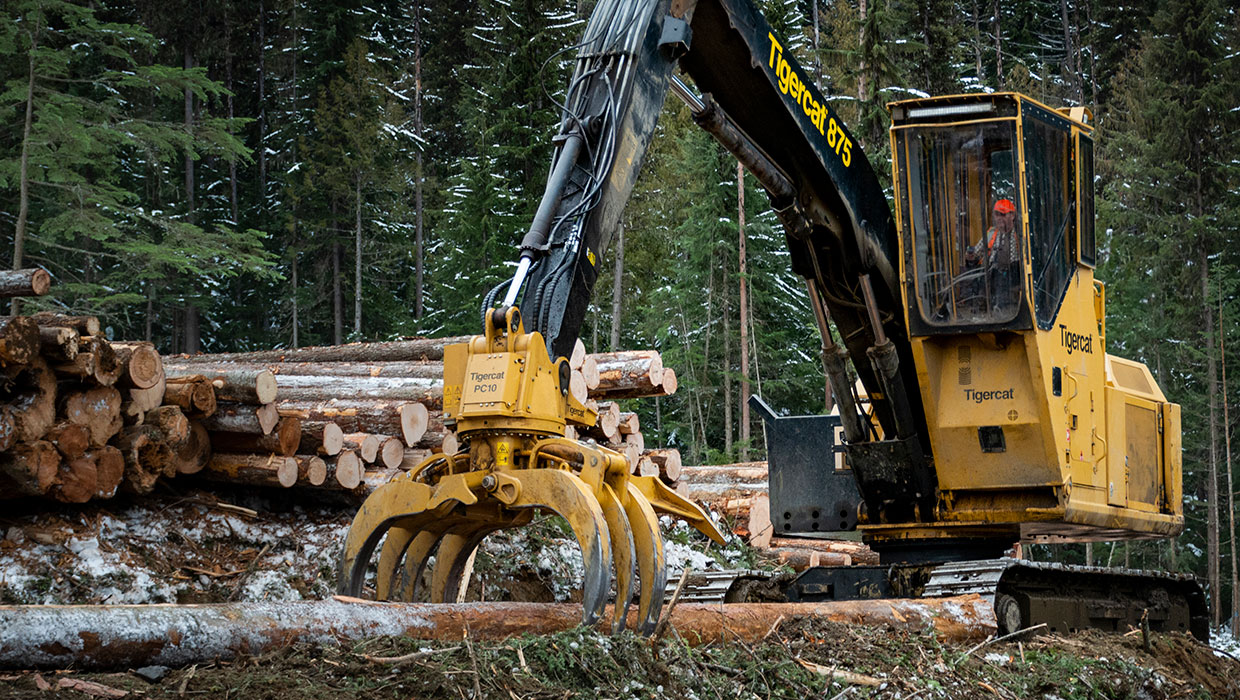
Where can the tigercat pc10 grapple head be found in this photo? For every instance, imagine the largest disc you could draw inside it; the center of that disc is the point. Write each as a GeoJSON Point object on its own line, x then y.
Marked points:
{"type": "Point", "coordinates": [510, 404]}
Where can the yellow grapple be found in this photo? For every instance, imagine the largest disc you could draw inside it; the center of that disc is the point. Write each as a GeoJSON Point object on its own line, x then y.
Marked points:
{"type": "Point", "coordinates": [510, 404]}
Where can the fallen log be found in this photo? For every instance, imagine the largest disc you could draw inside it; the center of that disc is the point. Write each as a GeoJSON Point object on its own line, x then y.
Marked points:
{"type": "Point", "coordinates": [32, 466]}
{"type": "Point", "coordinates": [85, 325]}
{"type": "Point", "coordinates": [252, 470]}
{"type": "Point", "coordinates": [31, 282]}
{"type": "Point", "coordinates": [194, 394]}
{"type": "Point", "coordinates": [128, 636]}
{"type": "Point", "coordinates": [379, 416]}
{"type": "Point", "coordinates": [321, 437]}
{"type": "Point", "coordinates": [141, 365]}
{"type": "Point", "coordinates": [242, 418]}
{"type": "Point", "coordinates": [192, 455]}
{"type": "Point", "coordinates": [428, 392]}
{"type": "Point", "coordinates": [58, 343]}
{"type": "Point", "coordinates": [284, 440]}
{"type": "Point", "coordinates": [389, 351]}
{"type": "Point", "coordinates": [19, 340]}
{"type": "Point", "coordinates": [430, 369]}
{"type": "Point", "coordinates": [249, 386]}
{"type": "Point", "coordinates": [109, 470]}
{"type": "Point", "coordinates": [311, 469]}
{"type": "Point", "coordinates": [30, 395]}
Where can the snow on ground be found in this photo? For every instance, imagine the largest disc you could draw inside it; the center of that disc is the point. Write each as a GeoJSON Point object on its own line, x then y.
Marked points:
{"type": "Point", "coordinates": [163, 549]}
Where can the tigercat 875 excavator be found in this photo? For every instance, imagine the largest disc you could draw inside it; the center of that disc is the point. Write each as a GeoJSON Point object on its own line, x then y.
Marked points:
{"type": "Point", "coordinates": [992, 412]}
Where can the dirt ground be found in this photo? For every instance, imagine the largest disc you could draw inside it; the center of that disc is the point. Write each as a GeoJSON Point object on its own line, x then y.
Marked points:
{"type": "Point", "coordinates": [799, 660]}
{"type": "Point", "coordinates": [195, 546]}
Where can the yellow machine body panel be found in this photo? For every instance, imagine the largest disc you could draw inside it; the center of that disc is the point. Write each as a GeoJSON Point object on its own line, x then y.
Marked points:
{"type": "Point", "coordinates": [1034, 428]}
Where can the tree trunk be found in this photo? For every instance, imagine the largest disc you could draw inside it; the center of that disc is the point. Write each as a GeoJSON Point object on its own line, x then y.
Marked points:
{"type": "Point", "coordinates": [129, 636]}
{"type": "Point", "coordinates": [417, 349]}
{"type": "Point", "coordinates": [1212, 521]}
{"type": "Point", "coordinates": [293, 282]}
{"type": "Point", "coordinates": [232, 161]}
{"type": "Point", "coordinates": [337, 296]}
{"type": "Point", "coordinates": [1071, 75]}
{"type": "Point", "coordinates": [744, 304]}
{"type": "Point", "coordinates": [1231, 487]}
{"type": "Point", "coordinates": [252, 386]}
{"type": "Point", "coordinates": [998, 25]}
{"type": "Point", "coordinates": [726, 364]}
{"type": "Point", "coordinates": [189, 127]}
{"type": "Point", "coordinates": [428, 392]}
{"type": "Point", "coordinates": [23, 203]}
{"type": "Point", "coordinates": [617, 289]}
{"type": "Point", "coordinates": [357, 256]}
{"type": "Point", "coordinates": [32, 282]}
{"type": "Point", "coordinates": [418, 261]}
{"type": "Point", "coordinates": [252, 470]}
{"type": "Point", "coordinates": [262, 107]}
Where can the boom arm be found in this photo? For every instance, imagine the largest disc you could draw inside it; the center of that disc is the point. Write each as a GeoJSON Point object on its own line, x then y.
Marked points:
{"type": "Point", "coordinates": [758, 103]}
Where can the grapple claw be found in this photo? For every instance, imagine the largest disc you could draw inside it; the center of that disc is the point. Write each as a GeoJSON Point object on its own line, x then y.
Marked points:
{"type": "Point", "coordinates": [621, 552]}
{"type": "Point", "coordinates": [394, 501]}
{"type": "Point", "coordinates": [571, 499]}
{"type": "Point", "coordinates": [651, 563]}
{"type": "Point", "coordinates": [665, 500]}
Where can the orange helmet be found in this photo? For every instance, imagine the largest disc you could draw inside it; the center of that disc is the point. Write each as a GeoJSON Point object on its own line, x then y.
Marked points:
{"type": "Point", "coordinates": [1005, 206]}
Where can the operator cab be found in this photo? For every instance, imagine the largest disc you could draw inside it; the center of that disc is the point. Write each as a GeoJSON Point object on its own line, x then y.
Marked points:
{"type": "Point", "coordinates": [986, 190]}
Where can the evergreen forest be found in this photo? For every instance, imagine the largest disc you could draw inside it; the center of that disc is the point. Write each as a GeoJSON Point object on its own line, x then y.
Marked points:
{"type": "Point", "coordinates": [213, 175]}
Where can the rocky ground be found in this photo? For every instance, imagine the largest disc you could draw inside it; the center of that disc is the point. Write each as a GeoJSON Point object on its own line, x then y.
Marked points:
{"type": "Point", "coordinates": [197, 546]}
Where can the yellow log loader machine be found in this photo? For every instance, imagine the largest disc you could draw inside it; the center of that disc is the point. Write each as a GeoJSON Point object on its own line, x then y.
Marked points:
{"type": "Point", "coordinates": [994, 414]}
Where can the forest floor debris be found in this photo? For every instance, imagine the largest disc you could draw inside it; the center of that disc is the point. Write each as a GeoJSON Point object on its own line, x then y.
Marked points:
{"type": "Point", "coordinates": [797, 660]}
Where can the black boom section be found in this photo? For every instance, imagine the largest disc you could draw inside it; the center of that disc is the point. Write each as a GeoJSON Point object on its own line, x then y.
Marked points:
{"type": "Point", "coordinates": [613, 101]}
{"type": "Point", "coordinates": [761, 107]}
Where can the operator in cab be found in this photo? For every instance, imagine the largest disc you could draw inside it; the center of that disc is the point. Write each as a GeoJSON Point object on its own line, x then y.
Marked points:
{"type": "Point", "coordinates": [999, 253]}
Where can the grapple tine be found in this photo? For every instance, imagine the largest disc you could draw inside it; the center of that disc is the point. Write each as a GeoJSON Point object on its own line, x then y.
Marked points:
{"type": "Point", "coordinates": [455, 550]}
{"type": "Point", "coordinates": [416, 557]}
{"type": "Point", "coordinates": [569, 497]}
{"type": "Point", "coordinates": [621, 553]}
{"type": "Point", "coordinates": [399, 536]}
{"type": "Point", "coordinates": [392, 502]}
{"type": "Point", "coordinates": [665, 500]}
{"type": "Point", "coordinates": [651, 564]}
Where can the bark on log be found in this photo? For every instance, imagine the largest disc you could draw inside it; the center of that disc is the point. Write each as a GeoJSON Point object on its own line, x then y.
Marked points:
{"type": "Point", "coordinates": [252, 470]}
{"type": "Point", "coordinates": [428, 392]}
{"type": "Point", "coordinates": [365, 444]}
{"type": "Point", "coordinates": [431, 369]}
{"type": "Point", "coordinates": [379, 416]}
{"type": "Point", "coordinates": [311, 469]}
{"type": "Point", "coordinates": [391, 351]}
{"type": "Point", "coordinates": [629, 423]}
{"type": "Point", "coordinates": [30, 395]}
{"type": "Point", "coordinates": [170, 421]}
{"type": "Point", "coordinates": [106, 366]}
{"type": "Point", "coordinates": [802, 559]}
{"type": "Point", "coordinates": [629, 370]}
{"type": "Point", "coordinates": [249, 386]}
{"type": "Point", "coordinates": [740, 473]}
{"type": "Point", "coordinates": [192, 455]}
{"type": "Point", "coordinates": [31, 282]}
{"type": "Point", "coordinates": [8, 428]}
{"type": "Point", "coordinates": [284, 440]}
{"type": "Point", "coordinates": [71, 439]}
{"type": "Point", "coordinates": [77, 480]}
{"type": "Point", "coordinates": [141, 365]}
{"type": "Point", "coordinates": [321, 437]}
{"type": "Point", "coordinates": [59, 343]}
{"type": "Point", "coordinates": [19, 340]}
{"type": "Point", "coordinates": [109, 470]}
{"type": "Point", "coordinates": [128, 636]}
{"type": "Point", "coordinates": [32, 466]}
{"type": "Point", "coordinates": [194, 394]}
{"type": "Point", "coordinates": [139, 401]}
{"type": "Point", "coordinates": [669, 463]}
{"type": "Point", "coordinates": [85, 325]}
{"type": "Point", "coordinates": [858, 551]}
{"type": "Point", "coordinates": [241, 418]}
